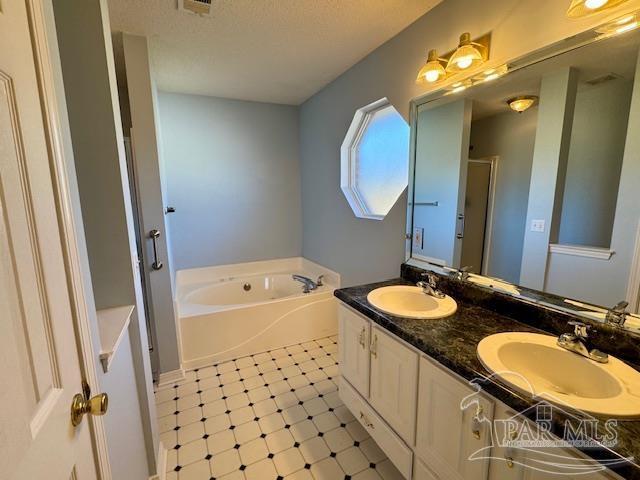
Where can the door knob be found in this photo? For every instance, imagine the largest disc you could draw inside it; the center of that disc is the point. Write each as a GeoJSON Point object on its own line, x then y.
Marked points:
{"type": "Point", "coordinates": [84, 403]}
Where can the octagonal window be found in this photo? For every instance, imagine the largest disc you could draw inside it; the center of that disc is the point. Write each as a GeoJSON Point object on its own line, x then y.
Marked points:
{"type": "Point", "coordinates": [375, 160]}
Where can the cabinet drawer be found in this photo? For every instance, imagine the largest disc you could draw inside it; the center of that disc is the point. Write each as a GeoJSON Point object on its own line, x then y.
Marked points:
{"type": "Point", "coordinates": [390, 443]}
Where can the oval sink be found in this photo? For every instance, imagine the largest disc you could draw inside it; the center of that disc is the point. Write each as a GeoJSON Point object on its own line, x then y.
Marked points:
{"type": "Point", "coordinates": [411, 302]}
{"type": "Point", "coordinates": [534, 365]}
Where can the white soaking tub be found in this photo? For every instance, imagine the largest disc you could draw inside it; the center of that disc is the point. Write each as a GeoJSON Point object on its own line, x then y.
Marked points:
{"type": "Point", "coordinates": [230, 311]}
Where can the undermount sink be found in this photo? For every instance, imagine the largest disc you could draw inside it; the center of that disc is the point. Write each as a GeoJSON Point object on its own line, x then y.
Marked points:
{"type": "Point", "coordinates": [535, 365]}
{"type": "Point", "coordinates": [411, 302]}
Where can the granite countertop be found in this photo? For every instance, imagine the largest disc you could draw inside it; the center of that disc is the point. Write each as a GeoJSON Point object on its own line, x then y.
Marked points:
{"type": "Point", "coordinates": [452, 342]}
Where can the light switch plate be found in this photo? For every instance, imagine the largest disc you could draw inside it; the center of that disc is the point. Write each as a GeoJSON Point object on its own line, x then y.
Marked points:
{"type": "Point", "coordinates": [537, 225]}
{"type": "Point", "coordinates": [418, 237]}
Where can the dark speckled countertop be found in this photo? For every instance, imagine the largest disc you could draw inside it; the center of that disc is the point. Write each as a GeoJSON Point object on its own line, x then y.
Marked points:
{"type": "Point", "coordinates": [452, 341]}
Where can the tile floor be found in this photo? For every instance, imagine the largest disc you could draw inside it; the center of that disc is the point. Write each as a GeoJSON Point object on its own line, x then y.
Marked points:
{"type": "Point", "coordinates": [274, 415]}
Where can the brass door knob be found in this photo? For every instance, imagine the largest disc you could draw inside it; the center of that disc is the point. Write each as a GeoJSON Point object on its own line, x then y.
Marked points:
{"type": "Point", "coordinates": [84, 403]}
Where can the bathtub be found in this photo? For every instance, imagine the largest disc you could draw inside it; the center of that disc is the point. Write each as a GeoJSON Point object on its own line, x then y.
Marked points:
{"type": "Point", "coordinates": [230, 311]}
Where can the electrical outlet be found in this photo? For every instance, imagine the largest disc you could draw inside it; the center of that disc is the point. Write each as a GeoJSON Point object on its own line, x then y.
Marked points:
{"type": "Point", "coordinates": [418, 237]}
{"type": "Point", "coordinates": [537, 225]}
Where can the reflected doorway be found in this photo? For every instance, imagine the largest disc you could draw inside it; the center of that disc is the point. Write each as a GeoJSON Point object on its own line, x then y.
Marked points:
{"type": "Point", "coordinates": [478, 213]}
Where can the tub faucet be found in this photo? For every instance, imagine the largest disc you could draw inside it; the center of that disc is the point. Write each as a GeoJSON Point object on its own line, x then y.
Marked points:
{"type": "Point", "coordinates": [430, 286]}
{"type": "Point", "coordinates": [308, 284]}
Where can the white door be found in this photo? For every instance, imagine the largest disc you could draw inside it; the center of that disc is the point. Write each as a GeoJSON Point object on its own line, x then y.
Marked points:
{"type": "Point", "coordinates": [354, 349]}
{"type": "Point", "coordinates": [38, 353]}
{"type": "Point", "coordinates": [394, 383]}
{"type": "Point", "coordinates": [448, 435]}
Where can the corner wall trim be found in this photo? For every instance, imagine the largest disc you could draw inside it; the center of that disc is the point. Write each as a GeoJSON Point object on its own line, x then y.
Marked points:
{"type": "Point", "coordinates": [580, 251]}
{"type": "Point", "coordinates": [633, 287]}
{"type": "Point", "coordinates": [171, 377]}
{"type": "Point", "coordinates": [161, 463]}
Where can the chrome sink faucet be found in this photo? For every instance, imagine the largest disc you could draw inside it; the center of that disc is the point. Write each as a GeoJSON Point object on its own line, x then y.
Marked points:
{"type": "Point", "coordinates": [462, 273]}
{"type": "Point", "coordinates": [618, 314]}
{"type": "Point", "coordinates": [307, 284]}
{"type": "Point", "coordinates": [578, 342]}
{"type": "Point", "coordinates": [430, 286]}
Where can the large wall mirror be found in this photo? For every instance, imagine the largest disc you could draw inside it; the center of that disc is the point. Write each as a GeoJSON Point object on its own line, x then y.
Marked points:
{"type": "Point", "coordinates": [532, 180]}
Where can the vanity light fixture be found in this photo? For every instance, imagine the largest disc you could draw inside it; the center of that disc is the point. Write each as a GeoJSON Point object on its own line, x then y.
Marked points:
{"type": "Point", "coordinates": [621, 25]}
{"type": "Point", "coordinates": [468, 54]}
{"type": "Point", "coordinates": [522, 103]}
{"type": "Point", "coordinates": [433, 71]}
{"type": "Point", "coordinates": [582, 8]}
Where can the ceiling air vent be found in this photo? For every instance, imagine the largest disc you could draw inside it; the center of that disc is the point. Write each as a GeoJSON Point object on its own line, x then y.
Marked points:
{"type": "Point", "coordinates": [198, 7]}
{"type": "Point", "coordinates": [602, 79]}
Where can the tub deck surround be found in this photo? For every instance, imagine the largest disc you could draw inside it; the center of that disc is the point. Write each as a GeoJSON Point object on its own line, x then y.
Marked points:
{"type": "Point", "coordinates": [452, 341]}
{"type": "Point", "coordinates": [230, 311]}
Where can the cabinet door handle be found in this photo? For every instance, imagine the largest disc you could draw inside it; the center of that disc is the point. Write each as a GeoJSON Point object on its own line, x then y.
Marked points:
{"type": "Point", "coordinates": [475, 422]}
{"type": "Point", "coordinates": [361, 339]}
{"type": "Point", "coordinates": [374, 346]}
{"type": "Point", "coordinates": [366, 421]}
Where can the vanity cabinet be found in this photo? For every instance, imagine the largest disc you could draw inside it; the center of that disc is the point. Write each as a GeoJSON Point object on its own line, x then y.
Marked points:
{"type": "Point", "coordinates": [454, 421]}
{"type": "Point", "coordinates": [426, 419]}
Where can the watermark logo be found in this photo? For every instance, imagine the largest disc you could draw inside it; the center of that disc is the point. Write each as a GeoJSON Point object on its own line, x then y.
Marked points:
{"type": "Point", "coordinates": [535, 443]}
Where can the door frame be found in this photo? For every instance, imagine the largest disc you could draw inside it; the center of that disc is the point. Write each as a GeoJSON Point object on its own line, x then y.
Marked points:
{"type": "Point", "coordinates": [57, 134]}
{"type": "Point", "coordinates": [493, 162]}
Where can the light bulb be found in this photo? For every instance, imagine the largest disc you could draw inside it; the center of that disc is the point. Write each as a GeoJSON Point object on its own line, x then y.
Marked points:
{"type": "Point", "coordinates": [628, 27]}
{"type": "Point", "coordinates": [593, 4]}
{"type": "Point", "coordinates": [432, 76]}
{"type": "Point", "coordinates": [464, 62]}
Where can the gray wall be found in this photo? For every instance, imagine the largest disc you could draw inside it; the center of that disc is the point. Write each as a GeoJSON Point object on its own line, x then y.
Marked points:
{"type": "Point", "coordinates": [98, 163]}
{"type": "Point", "coordinates": [366, 250]}
{"type": "Point", "coordinates": [574, 276]}
{"type": "Point", "coordinates": [232, 172]}
{"type": "Point", "coordinates": [594, 164]}
{"type": "Point", "coordinates": [510, 136]}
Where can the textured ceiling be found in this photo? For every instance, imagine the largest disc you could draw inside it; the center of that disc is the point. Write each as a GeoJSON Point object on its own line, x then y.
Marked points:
{"type": "Point", "coordinates": [280, 51]}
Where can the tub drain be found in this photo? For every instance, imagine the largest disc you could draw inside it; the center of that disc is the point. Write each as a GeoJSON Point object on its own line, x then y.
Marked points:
{"type": "Point", "coordinates": [247, 287]}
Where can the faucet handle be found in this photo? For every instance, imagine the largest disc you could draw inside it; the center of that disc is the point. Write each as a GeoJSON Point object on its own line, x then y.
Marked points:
{"type": "Point", "coordinates": [620, 307]}
{"type": "Point", "coordinates": [580, 329]}
{"type": "Point", "coordinates": [320, 281]}
{"type": "Point", "coordinates": [431, 278]}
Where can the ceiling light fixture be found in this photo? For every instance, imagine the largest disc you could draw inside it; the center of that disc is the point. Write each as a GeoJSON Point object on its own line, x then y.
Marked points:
{"type": "Point", "coordinates": [582, 8]}
{"type": "Point", "coordinates": [522, 103]}
{"type": "Point", "coordinates": [468, 54]}
{"type": "Point", "coordinates": [433, 71]}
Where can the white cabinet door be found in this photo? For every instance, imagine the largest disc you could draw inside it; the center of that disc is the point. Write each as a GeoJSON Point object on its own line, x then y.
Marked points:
{"type": "Point", "coordinates": [534, 463]}
{"type": "Point", "coordinates": [394, 378]}
{"type": "Point", "coordinates": [447, 435]}
{"type": "Point", "coordinates": [422, 472]}
{"type": "Point", "coordinates": [353, 342]}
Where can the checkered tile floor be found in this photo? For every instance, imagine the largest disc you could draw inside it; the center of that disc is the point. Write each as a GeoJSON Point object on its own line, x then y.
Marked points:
{"type": "Point", "coordinates": [274, 415]}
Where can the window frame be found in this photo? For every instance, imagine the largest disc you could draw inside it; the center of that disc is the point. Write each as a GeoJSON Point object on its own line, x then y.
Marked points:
{"type": "Point", "coordinates": [348, 158]}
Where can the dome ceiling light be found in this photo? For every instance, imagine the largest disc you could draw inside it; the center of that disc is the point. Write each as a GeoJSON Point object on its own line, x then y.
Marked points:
{"type": "Point", "coordinates": [522, 103]}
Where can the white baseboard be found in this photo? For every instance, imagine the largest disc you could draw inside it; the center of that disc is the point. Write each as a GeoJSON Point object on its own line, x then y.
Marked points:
{"type": "Point", "coordinates": [171, 377]}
